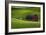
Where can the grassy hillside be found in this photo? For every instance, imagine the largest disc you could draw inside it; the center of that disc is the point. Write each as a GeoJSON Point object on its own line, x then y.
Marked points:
{"type": "Point", "coordinates": [18, 16]}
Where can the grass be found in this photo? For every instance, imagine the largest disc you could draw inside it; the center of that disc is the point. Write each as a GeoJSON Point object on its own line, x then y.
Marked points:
{"type": "Point", "coordinates": [18, 14]}
{"type": "Point", "coordinates": [16, 23]}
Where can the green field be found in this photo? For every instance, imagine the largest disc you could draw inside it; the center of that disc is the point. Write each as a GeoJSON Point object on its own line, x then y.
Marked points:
{"type": "Point", "coordinates": [18, 16]}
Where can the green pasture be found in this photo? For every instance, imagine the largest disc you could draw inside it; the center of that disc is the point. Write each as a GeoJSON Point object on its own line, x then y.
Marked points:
{"type": "Point", "coordinates": [18, 15]}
